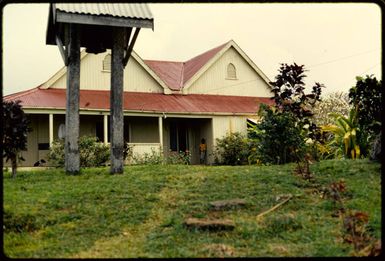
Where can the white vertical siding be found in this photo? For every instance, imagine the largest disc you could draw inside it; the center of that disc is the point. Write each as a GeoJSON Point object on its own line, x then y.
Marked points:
{"type": "Point", "coordinates": [42, 128]}
{"type": "Point", "coordinates": [92, 76]}
{"type": "Point", "coordinates": [30, 155]}
{"type": "Point", "coordinates": [140, 149]}
{"type": "Point", "coordinates": [215, 81]}
{"type": "Point", "coordinates": [223, 125]}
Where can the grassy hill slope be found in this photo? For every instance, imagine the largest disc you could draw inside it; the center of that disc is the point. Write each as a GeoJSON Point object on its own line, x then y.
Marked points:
{"type": "Point", "coordinates": [141, 213]}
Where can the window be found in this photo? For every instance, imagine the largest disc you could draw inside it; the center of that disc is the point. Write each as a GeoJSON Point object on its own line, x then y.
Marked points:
{"type": "Point", "coordinates": [231, 71]}
{"type": "Point", "coordinates": [107, 63]}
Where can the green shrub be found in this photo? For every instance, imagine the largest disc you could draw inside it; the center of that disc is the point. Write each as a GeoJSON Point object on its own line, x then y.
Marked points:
{"type": "Point", "coordinates": [56, 153]}
{"type": "Point", "coordinates": [347, 134]}
{"type": "Point", "coordinates": [92, 152]}
{"type": "Point", "coordinates": [232, 149]}
{"type": "Point", "coordinates": [179, 158]}
{"type": "Point", "coordinates": [253, 155]}
{"type": "Point", "coordinates": [280, 139]}
{"type": "Point", "coordinates": [15, 125]}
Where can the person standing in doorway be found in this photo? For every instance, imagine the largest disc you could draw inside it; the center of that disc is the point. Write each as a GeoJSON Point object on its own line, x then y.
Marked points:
{"type": "Point", "coordinates": [202, 151]}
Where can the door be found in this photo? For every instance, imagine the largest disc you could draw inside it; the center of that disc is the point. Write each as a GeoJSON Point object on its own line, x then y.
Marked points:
{"type": "Point", "coordinates": [178, 137]}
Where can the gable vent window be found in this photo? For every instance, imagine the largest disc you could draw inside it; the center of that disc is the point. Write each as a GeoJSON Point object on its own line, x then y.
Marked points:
{"type": "Point", "coordinates": [231, 71]}
{"type": "Point", "coordinates": [107, 63]}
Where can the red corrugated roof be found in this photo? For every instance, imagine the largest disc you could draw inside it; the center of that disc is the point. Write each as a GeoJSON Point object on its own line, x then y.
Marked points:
{"type": "Point", "coordinates": [169, 72]}
{"type": "Point", "coordinates": [176, 74]}
{"type": "Point", "coordinates": [138, 101]}
{"type": "Point", "coordinates": [193, 65]}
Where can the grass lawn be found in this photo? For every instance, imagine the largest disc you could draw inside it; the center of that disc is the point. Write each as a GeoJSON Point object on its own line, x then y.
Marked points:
{"type": "Point", "coordinates": [49, 214]}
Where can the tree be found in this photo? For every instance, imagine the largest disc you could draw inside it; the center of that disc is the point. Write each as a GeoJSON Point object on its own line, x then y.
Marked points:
{"type": "Point", "coordinates": [367, 98]}
{"type": "Point", "coordinates": [335, 102]}
{"type": "Point", "coordinates": [280, 138]}
{"type": "Point", "coordinates": [287, 126]}
{"type": "Point", "coordinates": [15, 132]}
{"type": "Point", "coordinates": [289, 96]}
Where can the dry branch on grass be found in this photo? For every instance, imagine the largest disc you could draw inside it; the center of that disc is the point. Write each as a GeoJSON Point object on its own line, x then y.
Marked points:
{"type": "Point", "coordinates": [275, 207]}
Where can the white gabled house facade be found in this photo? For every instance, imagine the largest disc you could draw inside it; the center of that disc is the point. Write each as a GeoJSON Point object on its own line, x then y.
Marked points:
{"type": "Point", "coordinates": [168, 106]}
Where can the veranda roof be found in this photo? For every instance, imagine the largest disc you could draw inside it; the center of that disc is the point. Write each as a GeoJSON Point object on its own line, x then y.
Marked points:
{"type": "Point", "coordinates": [143, 102]}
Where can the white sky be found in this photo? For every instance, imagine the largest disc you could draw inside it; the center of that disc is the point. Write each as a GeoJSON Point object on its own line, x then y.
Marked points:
{"type": "Point", "coordinates": [336, 42]}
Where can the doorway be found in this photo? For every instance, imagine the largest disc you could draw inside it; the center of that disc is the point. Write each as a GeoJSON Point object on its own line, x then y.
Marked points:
{"type": "Point", "coordinates": [178, 136]}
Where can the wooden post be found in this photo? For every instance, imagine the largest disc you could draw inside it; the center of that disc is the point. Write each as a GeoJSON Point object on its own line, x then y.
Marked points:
{"type": "Point", "coordinates": [116, 100]}
{"type": "Point", "coordinates": [50, 129]}
{"type": "Point", "coordinates": [160, 126]}
{"type": "Point", "coordinates": [72, 158]}
{"type": "Point", "coordinates": [105, 127]}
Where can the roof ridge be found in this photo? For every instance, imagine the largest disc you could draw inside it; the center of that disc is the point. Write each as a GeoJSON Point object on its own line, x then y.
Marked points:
{"type": "Point", "coordinates": [181, 82]}
{"type": "Point", "coordinates": [200, 61]}
{"type": "Point", "coordinates": [222, 45]}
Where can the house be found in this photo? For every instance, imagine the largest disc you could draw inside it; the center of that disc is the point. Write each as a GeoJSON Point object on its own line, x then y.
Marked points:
{"type": "Point", "coordinates": [168, 106]}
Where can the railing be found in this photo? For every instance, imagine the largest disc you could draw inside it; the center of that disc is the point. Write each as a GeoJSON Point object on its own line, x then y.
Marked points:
{"type": "Point", "coordinates": [143, 151]}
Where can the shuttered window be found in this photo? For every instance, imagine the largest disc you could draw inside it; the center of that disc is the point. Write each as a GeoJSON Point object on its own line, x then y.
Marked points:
{"type": "Point", "coordinates": [107, 63]}
{"type": "Point", "coordinates": [231, 71]}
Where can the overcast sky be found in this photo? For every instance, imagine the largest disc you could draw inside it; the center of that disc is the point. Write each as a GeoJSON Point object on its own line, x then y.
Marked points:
{"type": "Point", "coordinates": [336, 42]}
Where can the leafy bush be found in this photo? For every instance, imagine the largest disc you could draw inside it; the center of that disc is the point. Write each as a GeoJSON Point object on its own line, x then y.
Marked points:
{"type": "Point", "coordinates": [179, 158]}
{"type": "Point", "coordinates": [56, 153]}
{"type": "Point", "coordinates": [253, 155]}
{"type": "Point", "coordinates": [232, 149]}
{"type": "Point", "coordinates": [280, 139]}
{"type": "Point", "coordinates": [151, 158]}
{"type": "Point", "coordinates": [16, 128]}
{"type": "Point", "coordinates": [92, 153]}
{"type": "Point", "coordinates": [346, 134]}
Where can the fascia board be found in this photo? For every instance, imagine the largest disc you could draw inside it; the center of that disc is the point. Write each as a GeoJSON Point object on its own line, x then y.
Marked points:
{"type": "Point", "coordinates": [60, 73]}
{"type": "Point", "coordinates": [206, 66]}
